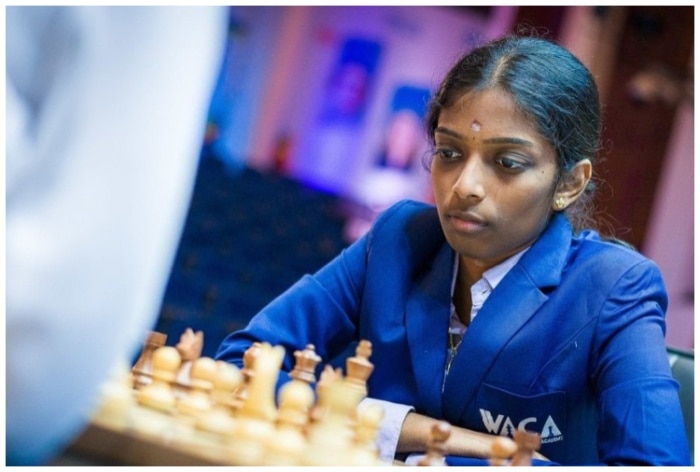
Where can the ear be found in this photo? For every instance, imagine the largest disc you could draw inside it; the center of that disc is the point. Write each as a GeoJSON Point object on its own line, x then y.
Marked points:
{"type": "Point", "coordinates": [572, 184]}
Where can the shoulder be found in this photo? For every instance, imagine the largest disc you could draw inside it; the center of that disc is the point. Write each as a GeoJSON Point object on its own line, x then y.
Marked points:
{"type": "Point", "coordinates": [610, 262]}
{"type": "Point", "coordinates": [408, 226]}
{"type": "Point", "coordinates": [406, 210]}
{"type": "Point", "coordinates": [590, 246]}
{"type": "Point", "coordinates": [410, 218]}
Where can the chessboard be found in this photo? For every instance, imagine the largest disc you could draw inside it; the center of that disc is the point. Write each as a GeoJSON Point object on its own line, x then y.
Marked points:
{"type": "Point", "coordinates": [174, 407]}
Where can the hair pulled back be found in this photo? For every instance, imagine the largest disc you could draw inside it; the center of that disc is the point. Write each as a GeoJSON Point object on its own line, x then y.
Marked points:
{"type": "Point", "coordinates": [549, 85]}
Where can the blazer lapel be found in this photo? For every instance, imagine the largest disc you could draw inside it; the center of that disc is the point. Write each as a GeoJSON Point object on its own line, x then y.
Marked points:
{"type": "Point", "coordinates": [427, 317]}
{"type": "Point", "coordinates": [512, 304]}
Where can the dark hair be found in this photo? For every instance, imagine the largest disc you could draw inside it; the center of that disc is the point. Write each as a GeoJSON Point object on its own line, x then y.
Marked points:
{"type": "Point", "coordinates": [548, 84]}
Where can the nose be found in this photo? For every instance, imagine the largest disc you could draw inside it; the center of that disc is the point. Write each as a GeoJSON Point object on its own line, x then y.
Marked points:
{"type": "Point", "coordinates": [470, 182]}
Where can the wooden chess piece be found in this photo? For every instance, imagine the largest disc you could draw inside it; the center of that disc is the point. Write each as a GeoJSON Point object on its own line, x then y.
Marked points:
{"type": "Point", "coordinates": [331, 436]}
{"type": "Point", "coordinates": [296, 397]}
{"type": "Point", "coordinates": [437, 445]}
{"type": "Point", "coordinates": [359, 368]}
{"type": "Point", "coordinates": [159, 394]}
{"type": "Point", "coordinates": [327, 377]}
{"type": "Point", "coordinates": [192, 405]}
{"type": "Point", "coordinates": [198, 401]}
{"type": "Point", "coordinates": [190, 348]}
{"type": "Point", "coordinates": [527, 443]}
{"type": "Point", "coordinates": [228, 378]}
{"type": "Point", "coordinates": [287, 445]}
{"type": "Point", "coordinates": [295, 400]}
{"type": "Point", "coordinates": [241, 393]}
{"type": "Point", "coordinates": [502, 449]}
{"type": "Point", "coordinates": [158, 397]}
{"type": "Point", "coordinates": [366, 450]}
{"type": "Point", "coordinates": [255, 419]}
{"type": "Point", "coordinates": [305, 365]}
{"type": "Point", "coordinates": [141, 371]}
{"type": "Point", "coordinates": [220, 420]}
{"type": "Point", "coordinates": [261, 390]}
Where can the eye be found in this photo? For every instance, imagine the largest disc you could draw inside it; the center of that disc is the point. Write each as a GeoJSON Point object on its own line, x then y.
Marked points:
{"type": "Point", "coordinates": [511, 163]}
{"type": "Point", "coordinates": [446, 154]}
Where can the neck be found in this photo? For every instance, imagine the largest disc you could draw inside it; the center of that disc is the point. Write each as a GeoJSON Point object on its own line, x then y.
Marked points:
{"type": "Point", "coordinates": [470, 272]}
{"type": "Point", "coordinates": [462, 297]}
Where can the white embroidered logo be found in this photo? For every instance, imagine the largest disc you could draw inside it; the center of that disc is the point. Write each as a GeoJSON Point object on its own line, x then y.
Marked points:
{"type": "Point", "coordinates": [504, 426]}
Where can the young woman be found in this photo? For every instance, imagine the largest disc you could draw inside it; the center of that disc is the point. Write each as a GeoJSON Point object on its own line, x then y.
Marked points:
{"type": "Point", "coordinates": [494, 309]}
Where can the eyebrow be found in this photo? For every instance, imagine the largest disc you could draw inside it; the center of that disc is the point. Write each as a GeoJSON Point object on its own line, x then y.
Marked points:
{"type": "Point", "coordinates": [497, 140]}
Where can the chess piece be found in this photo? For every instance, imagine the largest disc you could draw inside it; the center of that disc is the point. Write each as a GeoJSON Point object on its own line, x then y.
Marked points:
{"type": "Point", "coordinates": [305, 364]}
{"type": "Point", "coordinates": [288, 443]}
{"type": "Point", "coordinates": [437, 445]}
{"type": "Point", "coordinates": [527, 443]}
{"type": "Point", "coordinates": [190, 348]}
{"type": "Point", "coordinates": [502, 449]}
{"type": "Point", "coordinates": [295, 400]}
{"type": "Point", "coordinates": [219, 419]}
{"type": "Point", "coordinates": [296, 397]}
{"type": "Point", "coordinates": [331, 436]}
{"type": "Point", "coordinates": [261, 390]}
{"type": "Point", "coordinates": [158, 397]}
{"type": "Point", "coordinates": [159, 394]}
{"type": "Point", "coordinates": [328, 376]}
{"type": "Point", "coordinates": [255, 419]}
{"type": "Point", "coordinates": [198, 401]}
{"type": "Point", "coordinates": [228, 378]}
{"type": "Point", "coordinates": [241, 392]}
{"type": "Point", "coordinates": [366, 451]}
{"type": "Point", "coordinates": [141, 371]}
{"type": "Point", "coordinates": [359, 368]}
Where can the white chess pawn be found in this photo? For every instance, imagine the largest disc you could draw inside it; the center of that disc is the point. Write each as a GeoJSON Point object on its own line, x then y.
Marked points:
{"type": "Point", "coordinates": [159, 394]}
{"type": "Point", "coordinates": [158, 397]}
{"type": "Point", "coordinates": [366, 450]}
{"type": "Point", "coordinates": [198, 400]}
{"type": "Point", "coordinates": [220, 419]}
{"type": "Point", "coordinates": [228, 378]}
{"type": "Point", "coordinates": [288, 443]}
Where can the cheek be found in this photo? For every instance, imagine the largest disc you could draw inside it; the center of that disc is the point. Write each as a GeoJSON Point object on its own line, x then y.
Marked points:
{"type": "Point", "coordinates": [439, 183]}
{"type": "Point", "coordinates": [530, 204]}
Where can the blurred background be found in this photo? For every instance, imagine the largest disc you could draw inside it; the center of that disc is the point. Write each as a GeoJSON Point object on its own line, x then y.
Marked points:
{"type": "Point", "coordinates": [315, 127]}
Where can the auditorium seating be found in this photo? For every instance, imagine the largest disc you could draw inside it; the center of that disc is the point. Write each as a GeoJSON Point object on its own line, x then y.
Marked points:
{"type": "Point", "coordinates": [248, 236]}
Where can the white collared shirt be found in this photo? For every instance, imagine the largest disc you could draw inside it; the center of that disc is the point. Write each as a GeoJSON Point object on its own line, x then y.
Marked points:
{"type": "Point", "coordinates": [481, 289]}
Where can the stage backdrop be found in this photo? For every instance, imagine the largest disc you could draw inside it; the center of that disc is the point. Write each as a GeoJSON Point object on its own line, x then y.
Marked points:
{"type": "Point", "coordinates": [335, 96]}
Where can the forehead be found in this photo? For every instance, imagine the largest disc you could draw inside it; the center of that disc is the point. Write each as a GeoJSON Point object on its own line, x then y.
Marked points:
{"type": "Point", "coordinates": [488, 111]}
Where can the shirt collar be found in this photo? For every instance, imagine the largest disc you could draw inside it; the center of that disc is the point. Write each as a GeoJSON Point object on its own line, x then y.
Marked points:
{"type": "Point", "coordinates": [481, 289]}
{"type": "Point", "coordinates": [495, 274]}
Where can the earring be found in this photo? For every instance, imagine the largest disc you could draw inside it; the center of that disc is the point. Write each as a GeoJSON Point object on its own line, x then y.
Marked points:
{"type": "Point", "coordinates": [560, 203]}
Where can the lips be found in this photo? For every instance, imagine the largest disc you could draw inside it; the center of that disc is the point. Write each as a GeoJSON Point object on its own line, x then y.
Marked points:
{"type": "Point", "coordinates": [466, 222]}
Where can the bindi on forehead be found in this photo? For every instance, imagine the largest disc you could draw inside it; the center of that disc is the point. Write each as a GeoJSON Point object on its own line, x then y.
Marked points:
{"type": "Point", "coordinates": [475, 126]}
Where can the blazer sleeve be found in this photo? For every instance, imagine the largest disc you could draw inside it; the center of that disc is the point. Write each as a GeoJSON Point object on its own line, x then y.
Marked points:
{"type": "Point", "coordinates": [319, 309]}
{"type": "Point", "coordinates": [641, 418]}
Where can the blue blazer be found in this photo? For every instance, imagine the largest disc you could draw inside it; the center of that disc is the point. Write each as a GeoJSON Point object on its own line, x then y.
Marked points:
{"type": "Point", "coordinates": [570, 344]}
